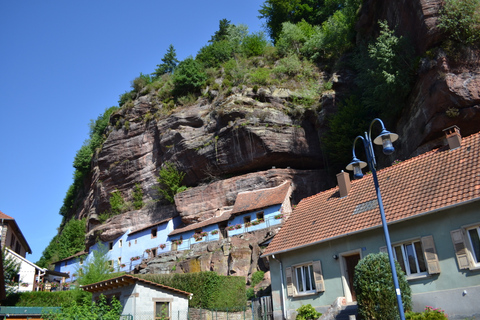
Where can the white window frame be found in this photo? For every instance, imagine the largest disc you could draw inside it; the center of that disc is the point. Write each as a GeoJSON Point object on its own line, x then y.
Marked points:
{"type": "Point", "coordinates": [303, 280]}
{"type": "Point", "coordinates": [406, 262]}
{"type": "Point", "coordinates": [475, 259]}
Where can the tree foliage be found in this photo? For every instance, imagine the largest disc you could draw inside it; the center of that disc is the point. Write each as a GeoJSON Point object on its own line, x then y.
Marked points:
{"type": "Point", "coordinates": [222, 32]}
{"type": "Point", "coordinates": [96, 268]}
{"type": "Point", "coordinates": [137, 197]}
{"type": "Point", "coordinates": [375, 291]}
{"type": "Point", "coordinates": [169, 62]}
{"type": "Point", "coordinates": [170, 180]}
{"type": "Point", "coordinates": [254, 44]}
{"type": "Point", "coordinates": [189, 77]}
{"type": "Point", "coordinates": [11, 268]}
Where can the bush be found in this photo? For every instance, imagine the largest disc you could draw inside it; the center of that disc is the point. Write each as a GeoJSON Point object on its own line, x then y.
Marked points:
{"type": "Point", "coordinates": [117, 204]}
{"type": "Point", "coordinates": [52, 299]}
{"type": "Point", "coordinates": [215, 54]}
{"type": "Point", "coordinates": [307, 312]}
{"type": "Point", "coordinates": [292, 37]}
{"type": "Point", "coordinates": [261, 76]}
{"type": "Point", "coordinates": [460, 19]}
{"type": "Point", "coordinates": [375, 290]}
{"type": "Point", "coordinates": [88, 310]}
{"type": "Point", "coordinates": [137, 197]}
{"type": "Point", "coordinates": [170, 180]}
{"type": "Point", "coordinates": [189, 77]}
{"type": "Point", "coordinates": [141, 82]}
{"type": "Point", "coordinates": [257, 277]}
{"type": "Point", "coordinates": [254, 44]}
{"type": "Point", "coordinates": [430, 313]}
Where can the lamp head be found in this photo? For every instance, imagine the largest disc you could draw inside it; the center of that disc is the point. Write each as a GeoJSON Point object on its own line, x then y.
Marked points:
{"type": "Point", "coordinates": [356, 166]}
{"type": "Point", "coordinates": [385, 139]}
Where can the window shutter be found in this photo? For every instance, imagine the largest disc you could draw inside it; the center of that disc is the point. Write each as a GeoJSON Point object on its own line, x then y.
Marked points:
{"type": "Point", "coordinates": [460, 249]}
{"type": "Point", "coordinates": [318, 275]}
{"type": "Point", "coordinates": [288, 275]}
{"type": "Point", "coordinates": [431, 255]}
{"type": "Point", "coordinates": [384, 249]}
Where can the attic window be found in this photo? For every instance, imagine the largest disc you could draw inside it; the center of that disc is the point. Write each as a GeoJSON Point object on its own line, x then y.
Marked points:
{"type": "Point", "coordinates": [366, 206]}
{"type": "Point", "coordinates": [154, 233]}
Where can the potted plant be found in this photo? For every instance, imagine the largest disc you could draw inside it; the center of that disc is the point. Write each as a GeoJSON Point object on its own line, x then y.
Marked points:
{"type": "Point", "coordinates": [214, 232]}
{"type": "Point", "coordinates": [278, 216]}
{"type": "Point", "coordinates": [238, 226]}
{"type": "Point", "coordinates": [247, 224]}
{"type": "Point", "coordinates": [162, 246]}
{"type": "Point", "coordinates": [230, 228]}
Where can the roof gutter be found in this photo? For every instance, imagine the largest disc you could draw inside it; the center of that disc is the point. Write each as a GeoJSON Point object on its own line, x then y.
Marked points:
{"type": "Point", "coordinates": [374, 227]}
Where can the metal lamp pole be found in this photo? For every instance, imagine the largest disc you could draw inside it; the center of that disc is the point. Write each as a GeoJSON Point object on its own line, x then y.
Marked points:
{"type": "Point", "coordinates": [385, 138]}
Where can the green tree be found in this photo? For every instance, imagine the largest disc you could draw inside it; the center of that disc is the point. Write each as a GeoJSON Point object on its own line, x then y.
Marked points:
{"type": "Point", "coordinates": [374, 288]}
{"type": "Point", "coordinates": [189, 77]}
{"type": "Point", "coordinates": [169, 63]}
{"type": "Point", "coordinates": [117, 203]}
{"type": "Point", "coordinates": [222, 32]}
{"type": "Point", "coordinates": [96, 268]}
{"type": "Point", "coordinates": [11, 268]}
{"type": "Point", "coordinates": [170, 180]}
{"type": "Point", "coordinates": [293, 36]}
{"type": "Point", "coordinates": [214, 54]}
{"type": "Point", "coordinates": [254, 44]}
{"type": "Point", "coordinates": [315, 12]}
{"type": "Point", "coordinates": [88, 310]}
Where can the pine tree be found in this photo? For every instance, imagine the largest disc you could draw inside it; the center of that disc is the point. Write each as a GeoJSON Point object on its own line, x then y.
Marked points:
{"type": "Point", "coordinates": [169, 63]}
{"type": "Point", "coordinates": [222, 32]}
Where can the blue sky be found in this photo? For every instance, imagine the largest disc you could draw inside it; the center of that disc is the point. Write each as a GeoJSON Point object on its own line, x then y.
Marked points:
{"type": "Point", "coordinates": [62, 63]}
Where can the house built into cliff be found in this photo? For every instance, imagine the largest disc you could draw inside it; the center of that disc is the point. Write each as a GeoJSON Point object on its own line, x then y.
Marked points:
{"type": "Point", "coordinates": [253, 210]}
{"type": "Point", "coordinates": [432, 205]}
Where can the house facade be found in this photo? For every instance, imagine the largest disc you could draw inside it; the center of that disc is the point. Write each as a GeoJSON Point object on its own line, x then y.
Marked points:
{"type": "Point", "coordinates": [12, 237]}
{"type": "Point", "coordinates": [126, 251]}
{"type": "Point", "coordinates": [432, 206]}
{"type": "Point", "coordinates": [252, 211]}
{"type": "Point", "coordinates": [143, 299]}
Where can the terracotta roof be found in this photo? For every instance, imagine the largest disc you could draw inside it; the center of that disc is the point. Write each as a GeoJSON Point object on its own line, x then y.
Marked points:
{"type": "Point", "coordinates": [150, 226]}
{"type": "Point", "coordinates": [78, 254]}
{"type": "Point", "coordinates": [262, 198]}
{"type": "Point", "coordinates": [5, 217]}
{"type": "Point", "coordinates": [433, 181]}
{"type": "Point", "coordinates": [127, 280]}
{"type": "Point", "coordinates": [224, 217]}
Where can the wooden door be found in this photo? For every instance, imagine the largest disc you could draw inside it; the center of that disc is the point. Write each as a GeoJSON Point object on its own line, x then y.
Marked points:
{"type": "Point", "coordinates": [350, 263]}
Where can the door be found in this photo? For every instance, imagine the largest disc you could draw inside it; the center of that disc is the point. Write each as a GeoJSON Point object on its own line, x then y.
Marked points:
{"type": "Point", "coordinates": [350, 263]}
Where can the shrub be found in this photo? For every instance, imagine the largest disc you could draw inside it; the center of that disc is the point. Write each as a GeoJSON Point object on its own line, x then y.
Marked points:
{"type": "Point", "coordinates": [137, 197]}
{"type": "Point", "coordinates": [257, 277]}
{"type": "Point", "coordinates": [292, 37]}
{"type": "Point", "coordinates": [290, 65]}
{"type": "Point", "coordinates": [260, 76]}
{"type": "Point", "coordinates": [51, 299]}
{"type": "Point", "coordinates": [430, 313]}
{"type": "Point", "coordinates": [125, 97]}
{"type": "Point", "coordinates": [141, 82]}
{"type": "Point", "coordinates": [117, 203]}
{"type": "Point", "coordinates": [188, 77]}
{"type": "Point", "coordinates": [254, 44]}
{"type": "Point", "coordinates": [374, 288]}
{"type": "Point", "coordinates": [307, 312]}
{"type": "Point", "coordinates": [460, 19]}
{"type": "Point", "coordinates": [170, 179]}
{"type": "Point", "coordinates": [87, 309]}
{"type": "Point", "coordinates": [215, 54]}
{"type": "Point", "coordinates": [251, 294]}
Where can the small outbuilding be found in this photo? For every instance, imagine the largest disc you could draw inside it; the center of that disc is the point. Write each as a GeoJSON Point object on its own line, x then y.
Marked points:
{"type": "Point", "coordinates": [143, 298]}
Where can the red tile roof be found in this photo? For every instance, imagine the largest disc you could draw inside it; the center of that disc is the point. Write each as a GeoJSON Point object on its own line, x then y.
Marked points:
{"type": "Point", "coordinates": [5, 217]}
{"type": "Point", "coordinates": [224, 217]}
{"type": "Point", "coordinates": [150, 226]}
{"type": "Point", "coordinates": [432, 181]}
{"type": "Point", "coordinates": [262, 198]}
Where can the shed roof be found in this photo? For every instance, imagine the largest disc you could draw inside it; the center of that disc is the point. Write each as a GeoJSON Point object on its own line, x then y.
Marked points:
{"type": "Point", "coordinates": [439, 179]}
{"type": "Point", "coordinates": [262, 198]}
{"type": "Point", "coordinates": [127, 280]}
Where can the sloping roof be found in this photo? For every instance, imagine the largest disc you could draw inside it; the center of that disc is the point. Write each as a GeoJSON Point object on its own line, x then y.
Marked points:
{"type": "Point", "coordinates": [262, 198]}
{"type": "Point", "coordinates": [433, 181]}
{"type": "Point", "coordinates": [224, 217]}
{"type": "Point", "coordinates": [150, 226]}
{"type": "Point", "coordinates": [127, 280]}
{"type": "Point", "coordinates": [12, 221]}
{"type": "Point", "coordinates": [78, 254]}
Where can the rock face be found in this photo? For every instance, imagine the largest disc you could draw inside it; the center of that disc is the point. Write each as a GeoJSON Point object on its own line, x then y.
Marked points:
{"type": "Point", "coordinates": [249, 140]}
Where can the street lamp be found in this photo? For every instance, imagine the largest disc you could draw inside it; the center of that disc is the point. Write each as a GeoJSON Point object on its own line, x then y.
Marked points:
{"type": "Point", "coordinates": [385, 139]}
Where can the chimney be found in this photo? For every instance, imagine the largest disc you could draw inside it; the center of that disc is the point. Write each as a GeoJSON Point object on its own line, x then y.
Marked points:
{"type": "Point", "coordinates": [453, 137]}
{"type": "Point", "coordinates": [344, 185]}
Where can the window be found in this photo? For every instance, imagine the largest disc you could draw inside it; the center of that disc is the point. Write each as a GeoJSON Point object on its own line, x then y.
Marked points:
{"type": "Point", "coordinates": [260, 215]}
{"type": "Point", "coordinates": [110, 245]}
{"type": "Point", "coordinates": [466, 242]}
{"type": "Point", "coordinates": [246, 219]}
{"type": "Point", "coordinates": [416, 257]}
{"type": "Point", "coordinates": [154, 252]}
{"type": "Point", "coordinates": [119, 261]}
{"type": "Point", "coordinates": [162, 310]}
{"type": "Point", "coordinates": [410, 257]}
{"type": "Point", "coordinates": [154, 233]}
{"type": "Point", "coordinates": [110, 263]}
{"type": "Point", "coordinates": [305, 279]}
{"type": "Point", "coordinates": [120, 243]}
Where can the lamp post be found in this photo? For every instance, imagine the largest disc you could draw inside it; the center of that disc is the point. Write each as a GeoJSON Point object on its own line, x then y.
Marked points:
{"type": "Point", "coordinates": [385, 138]}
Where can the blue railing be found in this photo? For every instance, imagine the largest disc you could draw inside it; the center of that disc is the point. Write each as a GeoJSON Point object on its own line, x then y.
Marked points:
{"type": "Point", "coordinates": [28, 310]}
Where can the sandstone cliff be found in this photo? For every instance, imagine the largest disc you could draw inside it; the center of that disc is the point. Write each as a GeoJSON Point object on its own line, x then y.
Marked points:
{"type": "Point", "coordinates": [249, 140]}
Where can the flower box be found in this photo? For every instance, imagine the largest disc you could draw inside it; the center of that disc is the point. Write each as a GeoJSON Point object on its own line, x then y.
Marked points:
{"type": "Point", "coordinates": [214, 232]}
{"type": "Point", "coordinates": [162, 246]}
{"type": "Point", "coordinates": [278, 216]}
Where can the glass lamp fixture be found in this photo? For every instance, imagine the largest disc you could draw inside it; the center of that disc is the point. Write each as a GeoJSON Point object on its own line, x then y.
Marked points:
{"type": "Point", "coordinates": [385, 139]}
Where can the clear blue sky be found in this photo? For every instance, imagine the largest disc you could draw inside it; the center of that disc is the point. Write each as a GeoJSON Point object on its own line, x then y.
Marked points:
{"type": "Point", "coordinates": [62, 63]}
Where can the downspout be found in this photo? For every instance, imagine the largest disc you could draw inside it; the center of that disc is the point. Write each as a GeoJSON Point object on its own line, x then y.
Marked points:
{"type": "Point", "coordinates": [282, 291]}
